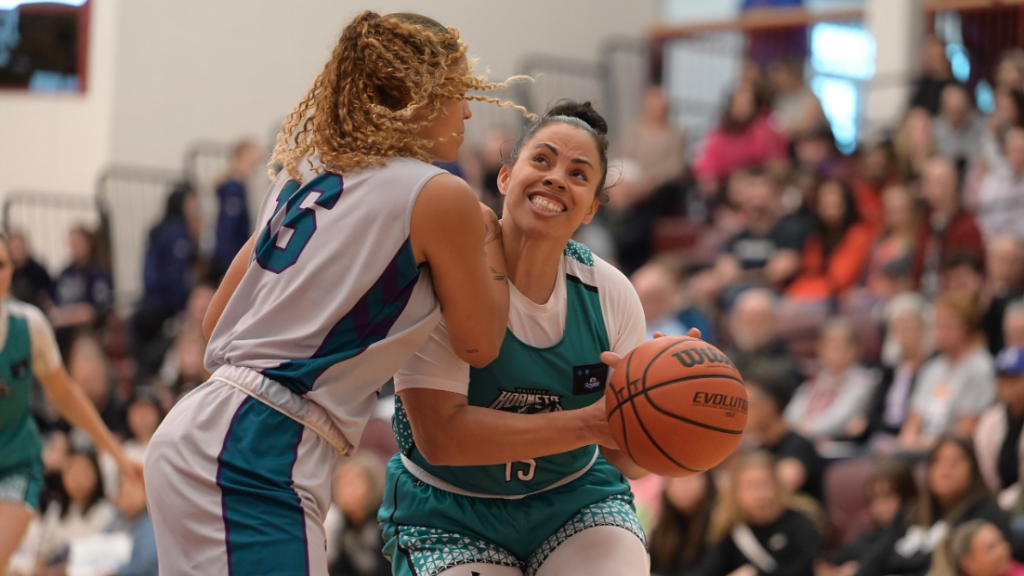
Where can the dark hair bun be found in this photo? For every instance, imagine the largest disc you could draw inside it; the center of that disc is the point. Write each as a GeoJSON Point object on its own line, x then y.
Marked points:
{"type": "Point", "coordinates": [582, 110]}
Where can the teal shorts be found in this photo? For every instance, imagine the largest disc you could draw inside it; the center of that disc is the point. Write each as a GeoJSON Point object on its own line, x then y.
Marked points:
{"type": "Point", "coordinates": [428, 530]}
{"type": "Point", "coordinates": [22, 484]}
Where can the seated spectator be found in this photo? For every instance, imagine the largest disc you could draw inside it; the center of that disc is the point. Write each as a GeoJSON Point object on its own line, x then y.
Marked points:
{"type": "Point", "coordinates": [678, 541]}
{"type": "Point", "coordinates": [796, 110]}
{"type": "Point", "coordinates": [914, 144]}
{"type": "Point", "coordinates": [88, 366]}
{"type": "Point", "coordinates": [1008, 113]}
{"type": "Point", "coordinates": [949, 229]}
{"type": "Point", "coordinates": [357, 494]}
{"type": "Point", "coordinates": [183, 369]}
{"type": "Point", "coordinates": [998, 439]}
{"type": "Point", "coordinates": [936, 74]}
{"type": "Point", "coordinates": [837, 251]}
{"type": "Point", "coordinates": [798, 465]}
{"type": "Point", "coordinates": [1000, 207]}
{"type": "Point", "coordinates": [975, 548]}
{"type": "Point", "coordinates": [1004, 283]}
{"type": "Point", "coordinates": [655, 143]}
{"type": "Point", "coordinates": [1013, 325]}
{"type": "Point", "coordinates": [31, 282]}
{"type": "Point", "coordinates": [954, 387]}
{"type": "Point", "coordinates": [959, 128]}
{"type": "Point", "coordinates": [83, 511]}
{"type": "Point", "coordinates": [954, 494]}
{"type": "Point", "coordinates": [816, 153]}
{"type": "Point", "coordinates": [745, 137]}
{"type": "Point", "coordinates": [900, 229]}
{"type": "Point", "coordinates": [143, 414]}
{"type": "Point", "coordinates": [890, 403]}
{"type": "Point", "coordinates": [876, 172]}
{"type": "Point", "coordinates": [664, 300]}
{"type": "Point", "coordinates": [756, 345]}
{"type": "Point", "coordinates": [1009, 72]}
{"type": "Point", "coordinates": [759, 528]}
{"type": "Point", "coordinates": [963, 276]}
{"type": "Point", "coordinates": [83, 292]}
{"type": "Point", "coordinates": [134, 520]}
{"type": "Point", "coordinates": [767, 252]}
{"type": "Point", "coordinates": [168, 269]}
{"type": "Point", "coordinates": [234, 225]}
{"type": "Point", "coordinates": [890, 491]}
{"type": "Point", "coordinates": [833, 405]}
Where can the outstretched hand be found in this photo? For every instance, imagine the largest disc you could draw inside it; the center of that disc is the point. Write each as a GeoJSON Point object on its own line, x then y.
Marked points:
{"type": "Point", "coordinates": [612, 359]}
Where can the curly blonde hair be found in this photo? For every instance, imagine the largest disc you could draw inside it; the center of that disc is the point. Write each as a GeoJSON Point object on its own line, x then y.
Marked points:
{"type": "Point", "coordinates": [384, 82]}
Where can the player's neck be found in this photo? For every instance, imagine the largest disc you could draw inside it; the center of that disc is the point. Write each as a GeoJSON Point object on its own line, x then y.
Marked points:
{"type": "Point", "coordinates": [532, 262]}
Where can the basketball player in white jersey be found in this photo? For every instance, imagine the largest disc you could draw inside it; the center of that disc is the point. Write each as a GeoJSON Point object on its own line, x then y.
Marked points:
{"type": "Point", "coordinates": [361, 246]}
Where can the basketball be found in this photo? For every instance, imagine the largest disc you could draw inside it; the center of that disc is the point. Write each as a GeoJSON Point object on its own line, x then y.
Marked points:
{"type": "Point", "coordinates": [676, 405]}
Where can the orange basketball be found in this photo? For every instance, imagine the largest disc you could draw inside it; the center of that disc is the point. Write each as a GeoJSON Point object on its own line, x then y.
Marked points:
{"type": "Point", "coordinates": [676, 405]}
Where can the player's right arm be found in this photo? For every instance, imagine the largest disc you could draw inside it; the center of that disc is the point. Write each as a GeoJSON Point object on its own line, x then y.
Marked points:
{"type": "Point", "coordinates": [466, 263]}
{"type": "Point", "coordinates": [227, 287]}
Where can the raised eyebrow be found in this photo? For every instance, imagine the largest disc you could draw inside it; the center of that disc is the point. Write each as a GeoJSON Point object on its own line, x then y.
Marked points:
{"type": "Point", "coordinates": [548, 146]}
{"type": "Point", "coordinates": [582, 161]}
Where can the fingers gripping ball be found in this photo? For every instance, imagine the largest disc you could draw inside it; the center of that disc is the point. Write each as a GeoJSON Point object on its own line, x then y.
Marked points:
{"type": "Point", "coordinates": [676, 405]}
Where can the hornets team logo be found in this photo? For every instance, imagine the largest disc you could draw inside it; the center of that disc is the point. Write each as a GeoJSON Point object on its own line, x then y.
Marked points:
{"type": "Point", "coordinates": [528, 401]}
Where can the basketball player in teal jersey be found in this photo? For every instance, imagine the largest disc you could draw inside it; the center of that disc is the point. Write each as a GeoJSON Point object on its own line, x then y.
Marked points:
{"type": "Point", "coordinates": [499, 471]}
{"type": "Point", "coordinates": [28, 352]}
{"type": "Point", "coordinates": [361, 246]}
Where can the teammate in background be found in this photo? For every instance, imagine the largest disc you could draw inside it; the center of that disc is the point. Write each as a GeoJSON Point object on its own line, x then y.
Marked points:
{"type": "Point", "coordinates": [28, 351]}
{"type": "Point", "coordinates": [499, 470]}
{"type": "Point", "coordinates": [327, 300]}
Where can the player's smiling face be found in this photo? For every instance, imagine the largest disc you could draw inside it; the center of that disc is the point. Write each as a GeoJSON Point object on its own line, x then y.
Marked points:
{"type": "Point", "coordinates": [552, 188]}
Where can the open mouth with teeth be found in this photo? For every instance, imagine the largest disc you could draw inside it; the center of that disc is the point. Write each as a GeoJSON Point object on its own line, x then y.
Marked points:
{"type": "Point", "coordinates": [546, 204]}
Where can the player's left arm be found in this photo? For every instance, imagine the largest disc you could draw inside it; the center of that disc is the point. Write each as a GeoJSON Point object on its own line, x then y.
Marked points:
{"type": "Point", "coordinates": [227, 287]}
{"type": "Point", "coordinates": [67, 397]}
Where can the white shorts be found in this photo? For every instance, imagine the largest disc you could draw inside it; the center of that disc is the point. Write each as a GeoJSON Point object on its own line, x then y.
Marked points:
{"type": "Point", "coordinates": [236, 487]}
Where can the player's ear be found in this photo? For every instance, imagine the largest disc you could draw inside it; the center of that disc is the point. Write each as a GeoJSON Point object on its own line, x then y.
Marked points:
{"type": "Point", "coordinates": [503, 177]}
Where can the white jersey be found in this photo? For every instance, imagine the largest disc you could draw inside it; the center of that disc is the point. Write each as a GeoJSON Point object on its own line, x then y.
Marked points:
{"type": "Point", "coordinates": [333, 301]}
{"type": "Point", "coordinates": [540, 325]}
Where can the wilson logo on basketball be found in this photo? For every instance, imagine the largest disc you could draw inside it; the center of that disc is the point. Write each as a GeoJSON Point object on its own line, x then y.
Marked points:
{"type": "Point", "coordinates": [720, 401]}
{"type": "Point", "coordinates": [695, 356]}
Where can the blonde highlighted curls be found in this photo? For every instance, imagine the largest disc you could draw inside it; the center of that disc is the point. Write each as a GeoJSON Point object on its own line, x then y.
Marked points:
{"type": "Point", "coordinates": [384, 82]}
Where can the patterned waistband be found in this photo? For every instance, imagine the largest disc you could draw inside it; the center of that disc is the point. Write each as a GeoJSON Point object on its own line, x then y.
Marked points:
{"type": "Point", "coordinates": [275, 395]}
{"type": "Point", "coordinates": [427, 478]}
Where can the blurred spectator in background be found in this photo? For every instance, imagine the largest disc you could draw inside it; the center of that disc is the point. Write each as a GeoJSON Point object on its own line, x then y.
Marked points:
{"type": "Point", "coordinates": [798, 465]}
{"type": "Point", "coordinates": [890, 491]}
{"type": "Point", "coordinates": [357, 494]}
{"type": "Point", "coordinates": [975, 548]}
{"type": "Point", "coordinates": [936, 74]}
{"type": "Point", "coordinates": [183, 369]}
{"type": "Point", "coordinates": [756, 345]}
{"type": "Point", "coordinates": [143, 414]}
{"type": "Point", "coordinates": [837, 251]}
{"type": "Point", "coordinates": [876, 171]}
{"type": "Point", "coordinates": [1009, 72]}
{"type": "Point", "coordinates": [89, 367]}
{"type": "Point", "coordinates": [134, 520]}
{"type": "Point", "coordinates": [796, 110]}
{"type": "Point", "coordinates": [816, 153]}
{"type": "Point", "coordinates": [1008, 113]}
{"type": "Point", "coordinates": [890, 403]}
{"type": "Point", "coordinates": [679, 539]}
{"type": "Point", "coordinates": [31, 282]}
{"type": "Point", "coordinates": [1004, 283]}
{"type": "Point", "coordinates": [757, 527]}
{"type": "Point", "coordinates": [1013, 325]}
{"type": "Point", "coordinates": [497, 143]}
{"type": "Point", "coordinates": [168, 269]}
{"type": "Point", "coordinates": [998, 438]}
{"type": "Point", "coordinates": [914, 144]}
{"type": "Point", "coordinates": [954, 494]}
{"type": "Point", "coordinates": [767, 251]}
{"type": "Point", "coordinates": [83, 510]}
{"type": "Point", "coordinates": [234, 225]}
{"type": "Point", "coordinates": [83, 292]}
{"type": "Point", "coordinates": [657, 148]}
{"type": "Point", "coordinates": [901, 225]}
{"type": "Point", "coordinates": [954, 387]}
{"type": "Point", "coordinates": [664, 300]}
{"type": "Point", "coordinates": [949, 228]}
{"type": "Point", "coordinates": [1000, 204]}
{"type": "Point", "coordinates": [833, 405]}
{"type": "Point", "coordinates": [959, 128]}
{"type": "Point", "coordinates": [744, 137]}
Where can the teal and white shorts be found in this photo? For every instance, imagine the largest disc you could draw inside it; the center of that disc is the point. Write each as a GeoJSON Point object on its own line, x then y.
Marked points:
{"type": "Point", "coordinates": [22, 484]}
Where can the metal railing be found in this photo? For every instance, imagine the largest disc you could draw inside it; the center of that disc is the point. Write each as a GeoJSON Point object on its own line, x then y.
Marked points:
{"type": "Point", "coordinates": [45, 219]}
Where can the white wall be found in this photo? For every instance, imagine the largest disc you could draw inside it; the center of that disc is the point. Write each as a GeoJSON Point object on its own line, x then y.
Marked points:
{"type": "Point", "coordinates": [223, 69]}
{"type": "Point", "coordinates": [60, 142]}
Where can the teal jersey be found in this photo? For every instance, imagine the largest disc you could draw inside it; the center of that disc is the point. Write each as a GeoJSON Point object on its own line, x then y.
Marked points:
{"type": "Point", "coordinates": [525, 379]}
{"type": "Point", "coordinates": [19, 436]}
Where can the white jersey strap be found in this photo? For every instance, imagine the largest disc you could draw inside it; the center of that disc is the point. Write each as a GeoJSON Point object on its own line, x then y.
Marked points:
{"type": "Point", "coordinates": [752, 548]}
